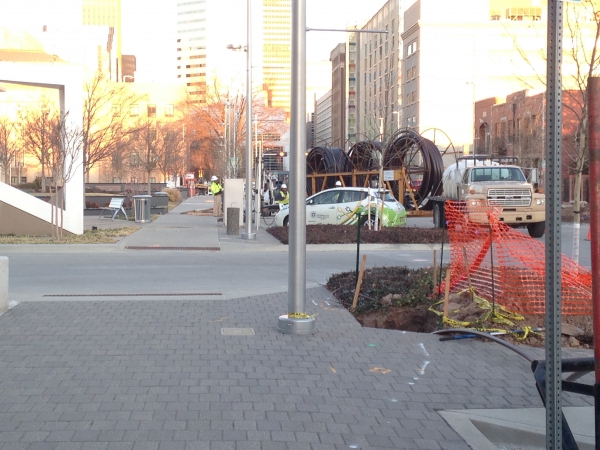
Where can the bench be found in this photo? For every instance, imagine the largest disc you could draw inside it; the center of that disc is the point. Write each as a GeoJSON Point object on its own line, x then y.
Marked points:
{"type": "Point", "coordinates": [116, 205]}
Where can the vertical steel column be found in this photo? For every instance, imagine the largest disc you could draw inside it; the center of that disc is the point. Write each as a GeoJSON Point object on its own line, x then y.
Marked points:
{"type": "Point", "coordinates": [248, 234]}
{"type": "Point", "coordinates": [553, 219]}
{"type": "Point", "coordinates": [594, 140]}
{"type": "Point", "coordinates": [297, 321]}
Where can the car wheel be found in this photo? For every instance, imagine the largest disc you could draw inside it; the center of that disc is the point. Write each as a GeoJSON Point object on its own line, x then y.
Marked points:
{"type": "Point", "coordinates": [536, 230]}
{"type": "Point", "coordinates": [286, 221]}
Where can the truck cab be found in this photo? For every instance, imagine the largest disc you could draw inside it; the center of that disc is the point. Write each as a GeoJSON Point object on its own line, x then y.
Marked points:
{"type": "Point", "coordinates": [481, 183]}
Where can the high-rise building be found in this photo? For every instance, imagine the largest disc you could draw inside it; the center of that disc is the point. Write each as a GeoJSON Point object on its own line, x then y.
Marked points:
{"type": "Point", "coordinates": [276, 53]}
{"type": "Point", "coordinates": [375, 76]}
{"type": "Point", "coordinates": [339, 95]}
{"type": "Point", "coordinates": [191, 47]}
{"type": "Point", "coordinates": [108, 13]}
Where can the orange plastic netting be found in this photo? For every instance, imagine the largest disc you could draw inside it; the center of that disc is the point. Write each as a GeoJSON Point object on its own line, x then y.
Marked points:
{"type": "Point", "coordinates": [518, 263]}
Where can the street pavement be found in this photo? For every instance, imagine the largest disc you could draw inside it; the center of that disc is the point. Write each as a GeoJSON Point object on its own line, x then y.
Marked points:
{"type": "Point", "coordinates": [168, 340]}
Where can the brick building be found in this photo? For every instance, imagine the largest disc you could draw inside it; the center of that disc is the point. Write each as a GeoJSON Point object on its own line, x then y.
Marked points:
{"type": "Point", "coordinates": [516, 126]}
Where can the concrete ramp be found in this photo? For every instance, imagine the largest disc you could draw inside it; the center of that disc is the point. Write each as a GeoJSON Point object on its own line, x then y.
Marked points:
{"type": "Point", "coordinates": [522, 429]}
{"type": "Point", "coordinates": [23, 214]}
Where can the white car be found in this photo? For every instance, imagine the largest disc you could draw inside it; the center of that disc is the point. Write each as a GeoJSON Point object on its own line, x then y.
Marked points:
{"type": "Point", "coordinates": [346, 205]}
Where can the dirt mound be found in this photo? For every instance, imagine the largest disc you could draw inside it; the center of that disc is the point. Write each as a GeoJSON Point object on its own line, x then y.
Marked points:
{"type": "Point", "coordinates": [399, 298]}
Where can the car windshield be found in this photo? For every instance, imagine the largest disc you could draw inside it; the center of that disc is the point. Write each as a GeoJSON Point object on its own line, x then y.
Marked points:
{"type": "Point", "coordinates": [497, 174]}
{"type": "Point", "coordinates": [387, 196]}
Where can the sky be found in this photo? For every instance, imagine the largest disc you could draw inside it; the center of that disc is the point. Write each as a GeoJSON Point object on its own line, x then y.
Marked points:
{"type": "Point", "coordinates": [149, 29]}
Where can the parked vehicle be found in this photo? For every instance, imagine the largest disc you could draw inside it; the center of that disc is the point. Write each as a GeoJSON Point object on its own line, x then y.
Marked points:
{"type": "Point", "coordinates": [347, 205]}
{"type": "Point", "coordinates": [482, 180]}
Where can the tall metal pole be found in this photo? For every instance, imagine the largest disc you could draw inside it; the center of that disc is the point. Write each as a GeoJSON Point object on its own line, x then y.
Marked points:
{"type": "Point", "coordinates": [553, 389]}
{"type": "Point", "coordinates": [248, 234]}
{"type": "Point", "coordinates": [297, 321]}
{"type": "Point", "coordinates": [594, 134]}
{"type": "Point", "coordinates": [257, 174]}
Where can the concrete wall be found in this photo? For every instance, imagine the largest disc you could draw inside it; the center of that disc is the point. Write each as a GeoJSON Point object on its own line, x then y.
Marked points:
{"type": "Point", "coordinates": [20, 223]}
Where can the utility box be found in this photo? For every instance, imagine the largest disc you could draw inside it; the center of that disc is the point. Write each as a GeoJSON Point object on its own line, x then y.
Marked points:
{"type": "Point", "coordinates": [233, 197]}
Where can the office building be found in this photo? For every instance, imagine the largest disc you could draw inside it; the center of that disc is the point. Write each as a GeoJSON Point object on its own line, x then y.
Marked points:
{"type": "Point", "coordinates": [276, 53]}
{"type": "Point", "coordinates": [322, 122]}
{"type": "Point", "coordinates": [374, 58]}
{"type": "Point", "coordinates": [339, 95]}
{"type": "Point", "coordinates": [107, 13]}
{"type": "Point", "coordinates": [456, 53]}
{"type": "Point", "coordinates": [191, 48]}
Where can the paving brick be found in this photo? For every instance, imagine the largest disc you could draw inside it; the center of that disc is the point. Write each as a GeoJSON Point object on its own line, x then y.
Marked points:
{"type": "Point", "coordinates": [159, 376]}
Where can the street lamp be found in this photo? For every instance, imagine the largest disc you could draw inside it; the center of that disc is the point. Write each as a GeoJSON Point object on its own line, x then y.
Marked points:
{"type": "Point", "coordinates": [248, 234]}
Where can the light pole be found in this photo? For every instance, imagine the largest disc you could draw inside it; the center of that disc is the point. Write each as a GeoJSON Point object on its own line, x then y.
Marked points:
{"type": "Point", "coordinates": [248, 233]}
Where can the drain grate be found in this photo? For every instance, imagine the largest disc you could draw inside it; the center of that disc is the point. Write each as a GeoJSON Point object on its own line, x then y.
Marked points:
{"type": "Point", "coordinates": [141, 247]}
{"type": "Point", "coordinates": [237, 331]}
{"type": "Point", "coordinates": [169, 294]}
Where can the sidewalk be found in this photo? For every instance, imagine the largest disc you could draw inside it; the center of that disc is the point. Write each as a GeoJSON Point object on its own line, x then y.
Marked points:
{"type": "Point", "coordinates": [177, 374]}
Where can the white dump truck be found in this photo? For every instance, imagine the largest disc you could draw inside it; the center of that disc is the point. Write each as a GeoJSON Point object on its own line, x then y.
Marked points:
{"type": "Point", "coordinates": [481, 180]}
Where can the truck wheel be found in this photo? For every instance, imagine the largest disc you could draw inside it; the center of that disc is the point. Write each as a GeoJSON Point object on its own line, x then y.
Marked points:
{"type": "Point", "coordinates": [437, 215]}
{"type": "Point", "coordinates": [536, 230]}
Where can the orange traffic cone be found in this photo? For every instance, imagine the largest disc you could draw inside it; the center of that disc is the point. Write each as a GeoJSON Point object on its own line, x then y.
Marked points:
{"type": "Point", "coordinates": [589, 236]}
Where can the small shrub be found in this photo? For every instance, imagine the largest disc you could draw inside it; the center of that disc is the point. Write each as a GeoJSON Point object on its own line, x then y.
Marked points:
{"type": "Point", "coordinates": [174, 195]}
{"type": "Point", "coordinates": [95, 205]}
{"type": "Point", "coordinates": [106, 204]}
{"type": "Point", "coordinates": [88, 205]}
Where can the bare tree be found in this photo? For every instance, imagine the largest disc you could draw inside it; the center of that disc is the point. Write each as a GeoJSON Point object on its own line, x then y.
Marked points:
{"type": "Point", "coordinates": [581, 60]}
{"type": "Point", "coordinates": [106, 106]}
{"type": "Point", "coordinates": [66, 149]}
{"type": "Point", "coordinates": [38, 127]}
{"type": "Point", "coordinates": [10, 145]}
{"type": "Point", "coordinates": [169, 147]}
{"type": "Point", "coordinates": [144, 149]}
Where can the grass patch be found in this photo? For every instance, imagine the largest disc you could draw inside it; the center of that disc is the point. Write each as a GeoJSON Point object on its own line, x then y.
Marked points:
{"type": "Point", "coordinates": [106, 236]}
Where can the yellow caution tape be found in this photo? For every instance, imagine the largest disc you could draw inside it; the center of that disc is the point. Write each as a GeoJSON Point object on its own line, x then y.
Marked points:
{"type": "Point", "coordinates": [300, 316]}
{"type": "Point", "coordinates": [501, 316]}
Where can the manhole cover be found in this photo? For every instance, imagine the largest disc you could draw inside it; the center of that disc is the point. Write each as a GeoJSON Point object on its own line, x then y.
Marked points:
{"type": "Point", "coordinates": [237, 331]}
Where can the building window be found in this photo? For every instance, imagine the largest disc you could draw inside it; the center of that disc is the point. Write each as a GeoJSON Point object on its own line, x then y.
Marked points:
{"type": "Point", "coordinates": [151, 110]}
{"type": "Point", "coordinates": [152, 179]}
{"type": "Point", "coordinates": [134, 111]}
{"type": "Point", "coordinates": [134, 160]}
{"type": "Point", "coordinates": [169, 111]}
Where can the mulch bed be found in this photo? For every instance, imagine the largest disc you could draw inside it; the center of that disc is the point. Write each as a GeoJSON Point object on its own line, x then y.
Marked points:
{"type": "Point", "coordinates": [340, 234]}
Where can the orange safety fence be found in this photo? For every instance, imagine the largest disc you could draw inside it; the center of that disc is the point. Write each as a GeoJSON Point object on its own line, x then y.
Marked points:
{"type": "Point", "coordinates": [518, 269]}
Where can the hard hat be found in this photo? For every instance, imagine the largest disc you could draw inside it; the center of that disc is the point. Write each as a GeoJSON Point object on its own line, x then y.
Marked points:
{"type": "Point", "coordinates": [214, 178]}
{"type": "Point", "coordinates": [283, 186]}
{"type": "Point", "coordinates": [338, 183]}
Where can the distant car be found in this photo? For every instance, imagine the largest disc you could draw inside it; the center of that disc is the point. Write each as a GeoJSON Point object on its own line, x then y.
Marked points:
{"type": "Point", "coordinates": [346, 205]}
